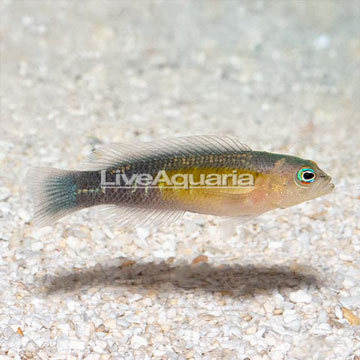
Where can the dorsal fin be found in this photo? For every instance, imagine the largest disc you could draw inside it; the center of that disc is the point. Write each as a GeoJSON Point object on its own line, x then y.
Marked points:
{"type": "Point", "coordinates": [117, 154]}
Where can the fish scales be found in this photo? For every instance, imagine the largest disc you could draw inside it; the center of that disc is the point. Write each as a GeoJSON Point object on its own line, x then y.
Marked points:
{"type": "Point", "coordinates": [90, 193]}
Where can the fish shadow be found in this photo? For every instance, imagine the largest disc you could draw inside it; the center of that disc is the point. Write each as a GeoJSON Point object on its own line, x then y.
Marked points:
{"type": "Point", "coordinates": [232, 280]}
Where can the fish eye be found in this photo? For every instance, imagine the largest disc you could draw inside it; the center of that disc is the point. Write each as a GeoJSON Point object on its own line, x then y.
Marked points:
{"type": "Point", "coordinates": [306, 175]}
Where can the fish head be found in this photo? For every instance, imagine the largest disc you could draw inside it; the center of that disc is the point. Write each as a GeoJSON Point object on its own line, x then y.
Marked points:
{"type": "Point", "coordinates": [299, 180]}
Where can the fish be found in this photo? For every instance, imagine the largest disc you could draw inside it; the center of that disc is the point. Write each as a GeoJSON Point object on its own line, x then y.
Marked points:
{"type": "Point", "coordinates": [157, 182]}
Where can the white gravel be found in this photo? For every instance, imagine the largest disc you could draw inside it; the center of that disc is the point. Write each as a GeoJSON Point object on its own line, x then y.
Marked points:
{"type": "Point", "coordinates": [280, 76]}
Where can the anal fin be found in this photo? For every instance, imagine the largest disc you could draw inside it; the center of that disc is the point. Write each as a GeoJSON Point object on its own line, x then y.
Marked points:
{"type": "Point", "coordinates": [127, 216]}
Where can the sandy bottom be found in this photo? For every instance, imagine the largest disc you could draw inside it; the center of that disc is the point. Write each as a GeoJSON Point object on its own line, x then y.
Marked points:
{"type": "Point", "coordinates": [281, 77]}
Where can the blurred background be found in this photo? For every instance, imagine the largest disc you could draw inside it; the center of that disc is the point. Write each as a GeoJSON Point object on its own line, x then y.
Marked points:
{"type": "Point", "coordinates": [281, 76]}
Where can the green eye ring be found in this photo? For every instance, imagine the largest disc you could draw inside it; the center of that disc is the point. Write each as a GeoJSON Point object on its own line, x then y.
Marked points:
{"type": "Point", "coordinates": [306, 175]}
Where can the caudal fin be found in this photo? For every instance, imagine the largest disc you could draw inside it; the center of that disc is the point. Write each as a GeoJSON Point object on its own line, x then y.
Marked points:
{"type": "Point", "coordinates": [53, 192]}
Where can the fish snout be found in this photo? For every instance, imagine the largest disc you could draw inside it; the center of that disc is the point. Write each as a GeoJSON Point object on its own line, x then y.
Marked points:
{"type": "Point", "coordinates": [326, 184]}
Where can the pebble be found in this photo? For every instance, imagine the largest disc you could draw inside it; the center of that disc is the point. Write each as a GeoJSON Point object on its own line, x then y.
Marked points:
{"type": "Point", "coordinates": [108, 232]}
{"type": "Point", "coordinates": [138, 341]}
{"type": "Point", "coordinates": [37, 246]}
{"type": "Point", "coordinates": [62, 344]}
{"type": "Point", "coordinates": [251, 330]}
{"type": "Point", "coordinates": [71, 304]}
{"type": "Point", "coordinates": [275, 245]}
{"type": "Point", "coordinates": [142, 233]}
{"type": "Point", "coordinates": [269, 307]}
{"type": "Point", "coordinates": [283, 348]}
{"type": "Point", "coordinates": [50, 247]}
{"type": "Point", "coordinates": [40, 233]}
{"type": "Point", "coordinates": [351, 301]}
{"type": "Point", "coordinates": [276, 355]}
{"type": "Point", "coordinates": [338, 312]}
{"type": "Point", "coordinates": [4, 209]}
{"type": "Point", "coordinates": [110, 323]}
{"type": "Point", "coordinates": [77, 345]}
{"type": "Point", "coordinates": [321, 329]}
{"type": "Point", "coordinates": [350, 317]}
{"type": "Point", "coordinates": [123, 323]}
{"type": "Point", "coordinates": [300, 297]}
{"type": "Point", "coordinates": [98, 349]}
{"type": "Point", "coordinates": [291, 320]}
{"type": "Point", "coordinates": [83, 330]}
{"type": "Point", "coordinates": [92, 356]}
{"type": "Point", "coordinates": [278, 311]}
{"type": "Point", "coordinates": [75, 243]}
{"type": "Point", "coordinates": [24, 215]}
{"type": "Point", "coordinates": [270, 340]}
{"type": "Point", "coordinates": [79, 234]}
{"type": "Point", "coordinates": [4, 193]}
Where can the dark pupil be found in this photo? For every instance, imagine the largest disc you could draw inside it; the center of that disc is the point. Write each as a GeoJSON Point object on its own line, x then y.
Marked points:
{"type": "Point", "coordinates": [308, 175]}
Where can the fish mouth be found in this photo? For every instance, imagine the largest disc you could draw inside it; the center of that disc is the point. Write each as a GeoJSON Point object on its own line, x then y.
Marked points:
{"type": "Point", "coordinates": [329, 187]}
{"type": "Point", "coordinates": [326, 186]}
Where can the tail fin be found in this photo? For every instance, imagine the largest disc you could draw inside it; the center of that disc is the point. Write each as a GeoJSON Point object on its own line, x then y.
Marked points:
{"type": "Point", "coordinates": [53, 192]}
